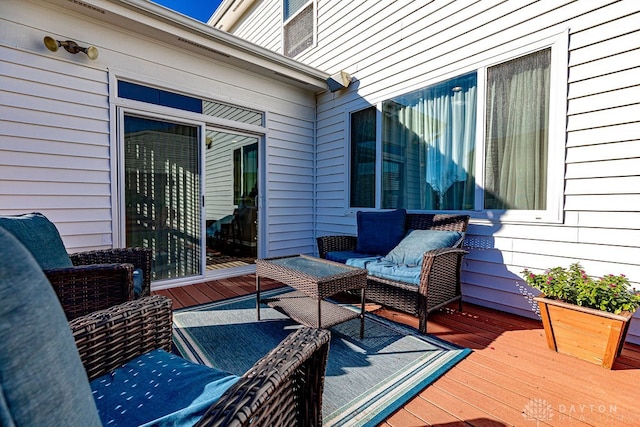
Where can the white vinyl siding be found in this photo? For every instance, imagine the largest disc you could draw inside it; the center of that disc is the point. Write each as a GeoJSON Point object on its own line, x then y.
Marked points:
{"type": "Point", "coordinates": [263, 26]}
{"type": "Point", "coordinates": [290, 187]}
{"type": "Point", "coordinates": [54, 146]}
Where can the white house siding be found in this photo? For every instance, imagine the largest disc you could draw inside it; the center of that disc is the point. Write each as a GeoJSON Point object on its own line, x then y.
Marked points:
{"type": "Point", "coordinates": [262, 25]}
{"type": "Point", "coordinates": [54, 145]}
{"type": "Point", "coordinates": [394, 47]}
{"type": "Point", "coordinates": [57, 129]}
{"type": "Point", "coordinates": [290, 186]}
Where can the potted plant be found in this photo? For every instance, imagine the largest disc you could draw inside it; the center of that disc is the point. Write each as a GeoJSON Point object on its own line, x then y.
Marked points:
{"type": "Point", "coordinates": [584, 316]}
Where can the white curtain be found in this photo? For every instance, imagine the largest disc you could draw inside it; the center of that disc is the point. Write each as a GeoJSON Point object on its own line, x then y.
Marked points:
{"type": "Point", "coordinates": [431, 135]}
{"type": "Point", "coordinates": [517, 133]}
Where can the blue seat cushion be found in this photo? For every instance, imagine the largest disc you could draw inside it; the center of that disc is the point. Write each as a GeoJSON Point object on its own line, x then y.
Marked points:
{"type": "Point", "coordinates": [362, 262]}
{"type": "Point", "coordinates": [388, 270]}
{"type": "Point", "coordinates": [158, 388]}
{"type": "Point", "coordinates": [42, 380]}
{"type": "Point", "coordinates": [379, 232]}
{"type": "Point", "coordinates": [343, 256]}
{"type": "Point", "coordinates": [40, 236]}
{"type": "Point", "coordinates": [410, 249]}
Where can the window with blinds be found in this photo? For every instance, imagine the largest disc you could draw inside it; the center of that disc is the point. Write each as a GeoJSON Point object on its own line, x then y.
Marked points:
{"type": "Point", "coordinates": [298, 26]}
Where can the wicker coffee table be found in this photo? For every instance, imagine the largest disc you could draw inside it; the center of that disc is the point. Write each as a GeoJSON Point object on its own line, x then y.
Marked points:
{"type": "Point", "coordinates": [313, 280]}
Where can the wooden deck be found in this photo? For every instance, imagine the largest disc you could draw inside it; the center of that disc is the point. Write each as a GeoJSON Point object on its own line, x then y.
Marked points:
{"type": "Point", "coordinates": [511, 378]}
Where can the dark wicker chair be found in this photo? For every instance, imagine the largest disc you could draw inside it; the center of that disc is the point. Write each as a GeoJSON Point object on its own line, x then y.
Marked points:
{"type": "Point", "coordinates": [100, 279]}
{"type": "Point", "coordinates": [83, 281]}
{"type": "Point", "coordinates": [439, 279]}
{"type": "Point", "coordinates": [284, 388]}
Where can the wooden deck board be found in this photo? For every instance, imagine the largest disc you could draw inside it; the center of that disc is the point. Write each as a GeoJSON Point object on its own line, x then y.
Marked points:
{"type": "Point", "coordinates": [510, 373]}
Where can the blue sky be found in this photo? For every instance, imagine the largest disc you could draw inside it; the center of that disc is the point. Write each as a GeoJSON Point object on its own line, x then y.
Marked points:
{"type": "Point", "coordinates": [198, 9]}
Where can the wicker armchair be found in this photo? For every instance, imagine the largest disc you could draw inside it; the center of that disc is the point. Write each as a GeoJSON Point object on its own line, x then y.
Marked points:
{"type": "Point", "coordinates": [440, 274]}
{"type": "Point", "coordinates": [84, 281]}
{"type": "Point", "coordinates": [283, 388]}
{"type": "Point", "coordinates": [100, 279]}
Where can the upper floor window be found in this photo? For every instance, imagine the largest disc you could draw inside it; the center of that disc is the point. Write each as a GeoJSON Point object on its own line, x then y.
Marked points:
{"type": "Point", "coordinates": [467, 143]}
{"type": "Point", "coordinates": [298, 26]}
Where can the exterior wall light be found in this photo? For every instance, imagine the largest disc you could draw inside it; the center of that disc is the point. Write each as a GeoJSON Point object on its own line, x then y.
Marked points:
{"type": "Point", "coordinates": [339, 81]}
{"type": "Point", "coordinates": [70, 46]}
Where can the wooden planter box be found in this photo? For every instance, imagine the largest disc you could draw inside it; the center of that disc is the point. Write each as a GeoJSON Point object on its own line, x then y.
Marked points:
{"type": "Point", "coordinates": [592, 335]}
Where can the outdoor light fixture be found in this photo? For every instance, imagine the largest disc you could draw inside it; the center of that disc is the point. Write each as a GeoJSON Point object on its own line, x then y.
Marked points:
{"type": "Point", "coordinates": [70, 46]}
{"type": "Point", "coordinates": [339, 81]}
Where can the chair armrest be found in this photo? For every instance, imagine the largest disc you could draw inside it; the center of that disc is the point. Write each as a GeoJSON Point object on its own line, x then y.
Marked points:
{"type": "Point", "coordinates": [283, 388]}
{"type": "Point", "coordinates": [335, 243]}
{"type": "Point", "coordinates": [87, 288]}
{"type": "Point", "coordinates": [441, 271]}
{"type": "Point", "coordinates": [109, 338]}
{"type": "Point", "coordinates": [140, 258]}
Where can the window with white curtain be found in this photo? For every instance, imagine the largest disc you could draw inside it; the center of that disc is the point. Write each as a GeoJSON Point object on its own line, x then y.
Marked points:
{"type": "Point", "coordinates": [475, 142]}
{"type": "Point", "coordinates": [428, 147]}
{"type": "Point", "coordinates": [517, 133]}
{"type": "Point", "coordinates": [298, 26]}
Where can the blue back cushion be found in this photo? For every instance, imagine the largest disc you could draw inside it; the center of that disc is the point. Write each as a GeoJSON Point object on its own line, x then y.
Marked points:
{"type": "Point", "coordinates": [42, 380]}
{"type": "Point", "coordinates": [410, 250]}
{"type": "Point", "coordinates": [379, 232]}
{"type": "Point", "coordinates": [40, 236]}
{"type": "Point", "coordinates": [159, 388]}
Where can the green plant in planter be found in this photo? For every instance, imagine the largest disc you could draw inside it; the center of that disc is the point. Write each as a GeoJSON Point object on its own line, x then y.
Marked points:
{"type": "Point", "coordinates": [572, 285]}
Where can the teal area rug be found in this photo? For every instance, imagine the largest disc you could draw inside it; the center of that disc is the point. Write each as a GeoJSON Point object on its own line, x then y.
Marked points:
{"type": "Point", "coordinates": [366, 380]}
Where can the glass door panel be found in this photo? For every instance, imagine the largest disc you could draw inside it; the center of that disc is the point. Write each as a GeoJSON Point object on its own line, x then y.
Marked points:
{"type": "Point", "coordinates": [231, 199]}
{"type": "Point", "coordinates": [162, 194]}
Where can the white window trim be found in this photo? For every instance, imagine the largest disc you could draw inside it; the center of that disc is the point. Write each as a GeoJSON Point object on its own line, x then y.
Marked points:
{"type": "Point", "coordinates": [347, 156]}
{"type": "Point", "coordinates": [559, 44]}
{"type": "Point", "coordinates": [119, 207]}
{"type": "Point", "coordinates": [314, 40]}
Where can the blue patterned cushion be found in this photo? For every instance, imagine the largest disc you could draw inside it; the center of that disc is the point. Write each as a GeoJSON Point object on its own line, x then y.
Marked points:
{"type": "Point", "coordinates": [379, 232]}
{"type": "Point", "coordinates": [42, 380]}
{"type": "Point", "coordinates": [410, 250]}
{"type": "Point", "coordinates": [158, 388]}
{"type": "Point", "coordinates": [40, 236]}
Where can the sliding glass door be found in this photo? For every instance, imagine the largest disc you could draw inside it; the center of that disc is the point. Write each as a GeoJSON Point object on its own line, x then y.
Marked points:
{"type": "Point", "coordinates": [231, 199]}
{"type": "Point", "coordinates": [162, 193]}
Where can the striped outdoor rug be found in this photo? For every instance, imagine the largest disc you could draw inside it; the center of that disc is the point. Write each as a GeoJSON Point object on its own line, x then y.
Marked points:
{"type": "Point", "coordinates": [366, 380]}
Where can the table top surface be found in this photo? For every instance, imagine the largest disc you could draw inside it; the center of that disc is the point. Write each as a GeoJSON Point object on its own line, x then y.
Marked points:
{"type": "Point", "coordinates": [313, 266]}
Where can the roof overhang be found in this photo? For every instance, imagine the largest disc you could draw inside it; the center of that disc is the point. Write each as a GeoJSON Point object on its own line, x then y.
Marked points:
{"type": "Point", "coordinates": [228, 13]}
{"type": "Point", "coordinates": [186, 33]}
